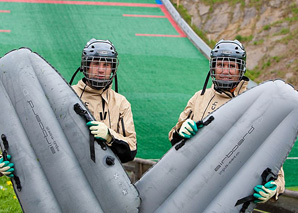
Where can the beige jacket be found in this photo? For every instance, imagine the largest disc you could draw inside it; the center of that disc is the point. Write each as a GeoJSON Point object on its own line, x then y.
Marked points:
{"type": "Point", "coordinates": [114, 110]}
{"type": "Point", "coordinates": [199, 106]}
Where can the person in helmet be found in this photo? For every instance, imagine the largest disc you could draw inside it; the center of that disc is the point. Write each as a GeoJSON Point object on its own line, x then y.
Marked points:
{"type": "Point", "coordinates": [227, 65]}
{"type": "Point", "coordinates": [114, 120]}
{"type": "Point", "coordinates": [99, 63]}
{"type": "Point", "coordinates": [227, 69]}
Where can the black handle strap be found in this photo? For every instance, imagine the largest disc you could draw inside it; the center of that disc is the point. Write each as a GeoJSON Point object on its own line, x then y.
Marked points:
{"type": "Point", "coordinates": [267, 176]}
{"type": "Point", "coordinates": [5, 153]}
{"type": "Point", "coordinates": [5, 142]}
{"type": "Point", "coordinates": [74, 75]}
{"type": "Point", "coordinates": [83, 113]}
{"type": "Point", "coordinates": [200, 124]}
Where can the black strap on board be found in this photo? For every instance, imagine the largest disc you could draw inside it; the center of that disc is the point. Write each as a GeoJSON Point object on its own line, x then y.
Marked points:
{"type": "Point", "coordinates": [83, 113]}
{"type": "Point", "coordinates": [5, 153]}
{"type": "Point", "coordinates": [200, 124]}
{"type": "Point", "coordinates": [267, 176]}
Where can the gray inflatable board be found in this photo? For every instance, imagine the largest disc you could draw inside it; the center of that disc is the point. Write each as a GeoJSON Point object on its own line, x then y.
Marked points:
{"type": "Point", "coordinates": [49, 143]}
{"type": "Point", "coordinates": [225, 160]}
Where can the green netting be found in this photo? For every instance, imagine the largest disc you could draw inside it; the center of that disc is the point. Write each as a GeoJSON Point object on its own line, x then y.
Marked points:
{"type": "Point", "coordinates": [158, 75]}
{"type": "Point", "coordinates": [290, 167]}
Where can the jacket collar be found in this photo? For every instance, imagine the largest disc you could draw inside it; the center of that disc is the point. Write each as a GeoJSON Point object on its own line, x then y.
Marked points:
{"type": "Point", "coordinates": [103, 93]}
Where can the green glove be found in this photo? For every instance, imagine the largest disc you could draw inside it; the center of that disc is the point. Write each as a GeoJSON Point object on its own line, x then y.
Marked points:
{"type": "Point", "coordinates": [6, 168]}
{"type": "Point", "coordinates": [100, 131]}
{"type": "Point", "coordinates": [188, 129]}
{"type": "Point", "coordinates": [265, 192]}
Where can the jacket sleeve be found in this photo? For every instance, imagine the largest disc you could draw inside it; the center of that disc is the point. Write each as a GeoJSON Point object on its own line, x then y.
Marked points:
{"type": "Point", "coordinates": [174, 137]}
{"type": "Point", "coordinates": [124, 142]}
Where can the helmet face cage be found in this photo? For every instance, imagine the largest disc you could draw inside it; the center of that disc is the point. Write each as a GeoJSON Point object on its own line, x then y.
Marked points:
{"type": "Point", "coordinates": [226, 72]}
{"type": "Point", "coordinates": [99, 63]}
{"type": "Point", "coordinates": [99, 71]}
{"type": "Point", "coordinates": [227, 64]}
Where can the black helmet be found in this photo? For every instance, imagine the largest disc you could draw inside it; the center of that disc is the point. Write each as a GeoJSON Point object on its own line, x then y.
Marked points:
{"type": "Point", "coordinates": [233, 52]}
{"type": "Point", "coordinates": [99, 51]}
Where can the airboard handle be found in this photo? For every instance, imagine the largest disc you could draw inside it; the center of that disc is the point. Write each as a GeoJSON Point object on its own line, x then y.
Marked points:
{"type": "Point", "coordinates": [267, 176]}
{"type": "Point", "coordinates": [200, 124]}
{"type": "Point", "coordinates": [6, 146]}
{"type": "Point", "coordinates": [83, 113]}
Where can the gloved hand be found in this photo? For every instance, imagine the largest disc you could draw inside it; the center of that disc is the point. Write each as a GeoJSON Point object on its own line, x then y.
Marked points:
{"type": "Point", "coordinates": [265, 192]}
{"type": "Point", "coordinates": [188, 129]}
{"type": "Point", "coordinates": [100, 131]}
{"type": "Point", "coordinates": [6, 168]}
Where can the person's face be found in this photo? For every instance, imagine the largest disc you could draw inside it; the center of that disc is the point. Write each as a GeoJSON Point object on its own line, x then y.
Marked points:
{"type": "Point", "coordinates": [100, 70]}
{"type": "Point", "coordinates": [226, 70]}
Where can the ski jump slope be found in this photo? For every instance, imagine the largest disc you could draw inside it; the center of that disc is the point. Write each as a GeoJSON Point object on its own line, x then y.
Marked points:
{"type": "Point", "coordinates": [154, 53]}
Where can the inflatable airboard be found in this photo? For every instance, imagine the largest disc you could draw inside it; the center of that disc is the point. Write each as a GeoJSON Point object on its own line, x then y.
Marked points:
{"type": "Point", "coordinates": [49, 143]}
{"type": "Point", "coordinates": [221, 164]}
{"type": "Point", "coordinates": [57, 169]}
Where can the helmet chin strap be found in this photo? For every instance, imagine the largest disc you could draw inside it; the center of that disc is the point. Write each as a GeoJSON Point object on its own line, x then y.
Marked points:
{"type": "Point", "coordinates": [116, 83]}
{"type": "Point", "coordinates": [74, 75]}
{"type": "Point", "coordinates": [205, 84]}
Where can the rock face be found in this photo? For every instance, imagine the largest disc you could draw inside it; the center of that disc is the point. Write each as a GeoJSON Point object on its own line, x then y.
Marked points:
{"type": "Point", "coordinates": [268, 30]}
